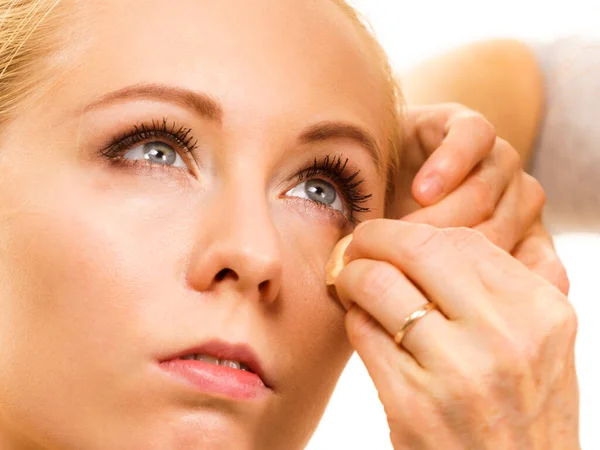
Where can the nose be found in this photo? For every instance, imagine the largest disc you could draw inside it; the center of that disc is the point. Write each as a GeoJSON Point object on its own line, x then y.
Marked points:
{"type": "Point", "coordinates": [238, 248]}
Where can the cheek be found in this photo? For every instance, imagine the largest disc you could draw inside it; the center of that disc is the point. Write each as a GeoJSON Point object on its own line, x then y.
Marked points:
{"type": "Point", "coordinates": [311, 330]}
{"type": "Point", "coordinates": [78, 272]}
{"type": "Point", "coordinates": [86, 272]}
{"type": "Point", "coordinates": [86, 264]}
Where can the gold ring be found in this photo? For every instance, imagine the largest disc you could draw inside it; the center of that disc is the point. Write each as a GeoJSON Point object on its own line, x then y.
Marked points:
{"type": "Point", "coordinates": [410, 321]}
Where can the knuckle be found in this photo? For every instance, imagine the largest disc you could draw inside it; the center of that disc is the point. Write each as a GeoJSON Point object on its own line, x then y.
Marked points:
{"type": "Point", "coordinates": [464, 237]}
{"type": "Point", "coordinates": [488, 127]}
{"type": "Point", "coordinates": [427, 119]}
{"type": "Point", "coordinates": [572, 324]}
{"type": "Point", "coordinates": [421, 242]}
{"type": "Point", "coordinates": [508, 152]}
{"type": "Point", "coordinates": [559, 315]}
{"type": "Point", "coordinates": [513, 158]}
{"type": "Point", "coordinates": [377, 282]}
{"type": "Point", "coordinates": [483, 196]}
{"type": "Point", "coordinates": [477, 120]}
{"type": "Point", "coordinates": [570, 321]}
{"type": "Point", "coordinates": [500, 234]}
{"type": "Point", "coordinates": [557, 273]}
{"type": "Point", "coordinates": [494, 236]}
{"type": "Point", "coordinates": [534, 190]}
{"type": "Point", "coordinates": [562, 279]}
{"type": "Point", "coordinates": [488, 132]}
{"type": "Point", "coordinates": [482, 128]}
{"type": "Point", "coordinates": [455, 107]}
{"type": "Point", "coordinates": [451, 111]}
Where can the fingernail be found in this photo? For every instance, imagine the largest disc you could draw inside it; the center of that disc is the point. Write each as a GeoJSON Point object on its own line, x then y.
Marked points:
{"type": "Point", "coordinates": [431, 188]}
{"type": "Point", "coordinates": [336, 261]}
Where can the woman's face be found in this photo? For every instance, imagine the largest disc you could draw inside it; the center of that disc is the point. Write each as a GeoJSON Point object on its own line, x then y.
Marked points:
{"type": "Point", "coordinates": [184, 184]}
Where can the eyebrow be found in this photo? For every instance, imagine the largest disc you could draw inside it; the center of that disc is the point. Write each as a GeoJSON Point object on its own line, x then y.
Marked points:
{"type": "Point", "coordinates": [207, 107]}
{"type": "Point", "coordinates": [340, 130]}
{"type": "Point", "coordinates": [200, 103]}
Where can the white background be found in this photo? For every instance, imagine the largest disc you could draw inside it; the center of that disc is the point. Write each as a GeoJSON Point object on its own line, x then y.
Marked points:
{"type": "Point", "coordinates": [413, 30]}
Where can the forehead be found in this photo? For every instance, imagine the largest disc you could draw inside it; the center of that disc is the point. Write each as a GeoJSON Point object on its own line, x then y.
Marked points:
{"type": "Point", "coordinates": [279, 59]}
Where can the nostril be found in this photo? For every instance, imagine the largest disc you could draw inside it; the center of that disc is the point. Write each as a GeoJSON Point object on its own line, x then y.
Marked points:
{"type": "Point", "coordinates": [262, 287]}
{"type": "Point", "coordinates": [223, 274]}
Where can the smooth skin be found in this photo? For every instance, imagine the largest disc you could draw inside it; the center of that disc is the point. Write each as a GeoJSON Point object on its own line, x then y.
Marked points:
{"type": "Point", "coordinates": [106, 269]}
{"type": "Point", "coordinates": [107, 266]}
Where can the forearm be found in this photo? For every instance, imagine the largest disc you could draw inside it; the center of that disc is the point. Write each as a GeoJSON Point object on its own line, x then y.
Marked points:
{"type": "Point", "coordinates": [543, 100]}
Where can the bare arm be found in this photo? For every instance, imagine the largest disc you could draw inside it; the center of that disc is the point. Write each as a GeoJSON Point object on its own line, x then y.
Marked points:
{"type": "Point", "coordinates": [501, 79]}
{"type": "Point", "coordinates": [543, 99]}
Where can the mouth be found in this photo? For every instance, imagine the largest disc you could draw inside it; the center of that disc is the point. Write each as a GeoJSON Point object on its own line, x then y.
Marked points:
{"type": "Point", "coordinates": [209, 359]}
{"type": "Point", "coordinates": [218, 367]}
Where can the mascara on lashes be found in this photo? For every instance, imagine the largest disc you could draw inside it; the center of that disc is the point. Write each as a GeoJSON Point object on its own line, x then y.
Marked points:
{"type": "Point", "coordinates": [330, 167]}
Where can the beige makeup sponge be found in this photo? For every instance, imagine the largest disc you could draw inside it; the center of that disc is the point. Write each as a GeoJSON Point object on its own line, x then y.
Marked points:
{"type": "Point", "coordinates": [336, 261]}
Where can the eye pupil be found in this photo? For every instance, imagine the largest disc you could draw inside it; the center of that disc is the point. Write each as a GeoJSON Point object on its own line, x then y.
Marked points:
{"type": "Point", "coordinates": [321, 191]}
{"type": "Point", "coordinates": [159, 153]}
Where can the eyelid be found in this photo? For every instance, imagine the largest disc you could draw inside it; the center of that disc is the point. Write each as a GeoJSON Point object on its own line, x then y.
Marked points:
{"type": "Point", "coordinates": [178, 137]}
{"type": "Point", "coordinates": [337, 193]}
{"type": "Point", "coordinates": [332, 169]}
{"type": "Point", "coordinates": [155, 130]}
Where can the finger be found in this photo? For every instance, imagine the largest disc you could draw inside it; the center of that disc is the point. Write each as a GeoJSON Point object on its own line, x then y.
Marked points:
{"type": "Point", "coordinates": [475, 200]}
{"type": "Point", "coordinates": [408, 392]}
{"type": "Point", "coordinates": [496, 268]}
{"type": "Point", "coordinates": [468, 138]}
{"type": "Point", "coordinates": [520, 207]}
{"type": "Point", "coordinates": [501, 273]}
{"type": "Point", "coordinates": [389, 297]}
{"type": "Point", "coordinates": [393, 370]}
{"type": "Point", "coordinates": [538, 254]}
{"type": "Point", "coordinates": [428, 258]}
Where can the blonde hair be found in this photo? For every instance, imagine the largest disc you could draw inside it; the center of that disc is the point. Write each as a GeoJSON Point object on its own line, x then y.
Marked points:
{"type": "Point", "coordinates": [26, 43]}
{"type": "Point", "coordinates": [395, 106]}
{"type": "Point", "coordinates": [24, 46]}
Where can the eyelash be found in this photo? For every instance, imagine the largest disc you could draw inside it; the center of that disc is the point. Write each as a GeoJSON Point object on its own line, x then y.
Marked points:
{"type": "Point", "coordinates": [331, 167]}
{"type": "Point", "coordinates": [144, 133]}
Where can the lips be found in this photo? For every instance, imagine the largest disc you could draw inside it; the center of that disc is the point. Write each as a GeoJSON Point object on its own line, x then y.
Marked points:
{"type": "Point", "coordinates": [220, 361]}
{"type": "Point", "coordinates": [228, 352]}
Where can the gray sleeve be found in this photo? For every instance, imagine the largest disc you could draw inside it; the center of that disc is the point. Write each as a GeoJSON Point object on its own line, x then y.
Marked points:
{"type": "Point", "coordinates": [567, 155]}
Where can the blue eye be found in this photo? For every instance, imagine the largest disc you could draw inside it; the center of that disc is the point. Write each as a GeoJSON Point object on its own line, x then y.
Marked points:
{"type": "Point", "coordinates": [319, 191]}
{"type": "Point", "coordinates": [156, 152]}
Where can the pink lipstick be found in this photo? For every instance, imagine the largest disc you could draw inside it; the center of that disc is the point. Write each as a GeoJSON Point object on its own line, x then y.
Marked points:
{"type": "Point", "coordinates": [220, 368]}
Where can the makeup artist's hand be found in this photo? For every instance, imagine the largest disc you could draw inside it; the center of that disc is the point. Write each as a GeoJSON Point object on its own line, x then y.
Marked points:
{"type": "Point", "coordinates": [459, 173]}
{"type": "Point", "coordinates": [491, 368]}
